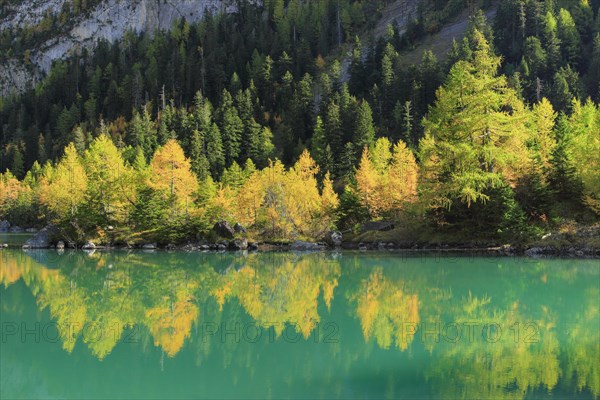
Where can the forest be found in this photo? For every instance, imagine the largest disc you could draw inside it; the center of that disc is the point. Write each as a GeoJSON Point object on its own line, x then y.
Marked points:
{"type": "Point", "coordinates": [256, 117]}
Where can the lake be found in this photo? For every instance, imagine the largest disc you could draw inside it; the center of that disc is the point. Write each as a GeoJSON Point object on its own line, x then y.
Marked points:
{"type": "Point", "coordinates": [283, 325]}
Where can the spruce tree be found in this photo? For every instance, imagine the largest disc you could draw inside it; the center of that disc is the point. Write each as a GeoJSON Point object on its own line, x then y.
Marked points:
{"type": "Point", "coordinates": [215, 153]}
{"type": "Point", "coordinates": [363, 132]}
{"type": "Point", "coordinates": [231, 127]}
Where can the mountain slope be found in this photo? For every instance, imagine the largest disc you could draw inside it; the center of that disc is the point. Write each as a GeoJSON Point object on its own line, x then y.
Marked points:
{"type": "Point", "coordinates": [109, 20]}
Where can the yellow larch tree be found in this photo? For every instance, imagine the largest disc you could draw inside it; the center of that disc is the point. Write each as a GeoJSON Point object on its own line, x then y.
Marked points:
{"type": "Point", "coordinates": [172, 174]}
{"type": "Point", "coordinates": [367, 182]}
{"type": "Point", "coordinates": [302, 198]}
{"type": "Point", "coordinates": [387, 180]}
{"type": "Point", "coordinates": [250, 199]}
{"type": "Point", "coordinates": [329, 198]}
{"type": "Point", "coordinates": [403, 175]}
{"type": "Point", "coordinates": [62, 189]}
{"type": "Point", "coordinates": [110, 188]}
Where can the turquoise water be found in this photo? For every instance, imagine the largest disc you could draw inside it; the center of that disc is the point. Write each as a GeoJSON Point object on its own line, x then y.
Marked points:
{"type": "Point", "coordinates": [284, 325]}
{"type": "Point", "coordinates": [14, 239]}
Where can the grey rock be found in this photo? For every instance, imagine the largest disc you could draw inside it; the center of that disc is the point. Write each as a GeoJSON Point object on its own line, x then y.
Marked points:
{"type": "Point", "coordinates": [42, 239]}
{"type": "Point", "coordinates": [221, 246]}
{"type": "Point", "coordinates": [16, 229]}
{"type": "Point", "coordinates": [149, 246]}
{"type": "Point", "coordinates": [377, 226]}
{"type": "Point", "coordinates": [239, 228]}
{"type": "Point", "coordinates": [334, 238]}
{"type": "Point", "coordinates": [88, 246]}
{"type": "Point", "coordinates": [238, 244]}
{"type": "Point", "coordinates": [204, 247]}
{"type": "Point", "coordinates": [223, 229]}
{"type": "Point", "coordinates": [60, 245]}
{"type": "Point", "coordinates": [535, 252]}
{"type": "Point", "coordinates": [300, 245]}
{"type": "Point", "coordinates": [31, 230]}
{"type": "Point", "coordinates": [4, 226]}
{"type": "Point", "coordinates": [362, 246]}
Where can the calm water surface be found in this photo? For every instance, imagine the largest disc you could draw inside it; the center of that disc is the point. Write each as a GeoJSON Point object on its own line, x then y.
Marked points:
{"type": "Point", "coordinates": [283, 325]}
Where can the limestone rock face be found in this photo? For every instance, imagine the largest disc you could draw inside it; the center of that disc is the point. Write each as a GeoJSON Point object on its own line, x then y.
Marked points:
{"type": "Point", "coordinates": [109, 20]}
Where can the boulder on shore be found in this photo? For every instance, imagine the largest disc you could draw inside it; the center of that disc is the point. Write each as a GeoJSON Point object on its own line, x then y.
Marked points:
{"type": "Point", "coordinates": [4, 226]}
{"type": "Point", "coordinates": [300, 245]}
{"type": "Point", "coordinates": [223, 229]}
{"type": "Point", "coordinates": [42, 239]}
{"type": "Point", "coordinates": [334, 238]}
{"type": "Point", "coordinates": [238, 244]}
{"type": "Point", "coordinates": [60, 245]}
{"type": "Point", "coordinates": [88, 246]}
{"type": "Point", "coordinates": [239, 228]}
{"type": "Point", "coordinates": [149, 246]}
{"type": "Point", "coordinates": [380, 226]}
{"type": "Point", "coordinates": [16, 229]}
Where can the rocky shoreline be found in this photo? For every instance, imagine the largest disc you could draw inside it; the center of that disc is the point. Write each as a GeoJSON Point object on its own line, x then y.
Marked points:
{"type": "Point", "coordinates": [230, 240]}
{"type": "Point", "coordinates": [301, 246]}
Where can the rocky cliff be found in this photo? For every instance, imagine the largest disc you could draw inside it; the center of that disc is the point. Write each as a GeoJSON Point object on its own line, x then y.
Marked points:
{"type": "Point", "coordinates": [109, 20]}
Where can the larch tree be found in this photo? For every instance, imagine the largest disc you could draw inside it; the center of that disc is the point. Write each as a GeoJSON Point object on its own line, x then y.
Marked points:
{"type": "Point", "coordinates": [172, 174]}
{"type": "Point", "coordinates": [403, 176]}
{"type": "Point", "coordinates": [62, 189]}
{"type": "Point", "coordinates": [474, 133]}
{"type": "Point", "coordinates": [585, 125]}
{"type": "Point", "coordinates": [110, 189]}
{"type": "Point", "coordinates": [367, 182]}
{"type": "Point", "coordinates": [302, 199]}
{"type": "Point", "coordinates": [533, 190]}
{"type": "Point", "coordinates": [387, 179]}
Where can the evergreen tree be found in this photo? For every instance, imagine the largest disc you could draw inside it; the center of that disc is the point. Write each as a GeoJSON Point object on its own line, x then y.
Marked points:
{"type": "Point", "coordinates": [17, 167]}
{"type": "Point", "coordinates": [364, 132]}
{"type": "Point", "coordinates": [564, 179]}
{"type": "Point", "coordinates": [231, 127]}
{"type": "Point", "coordinates": [214, 151]}
{"type": "Point", "coordinates": [569, 37]}
{"type": "Point", "coordinates": [333, 129]}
